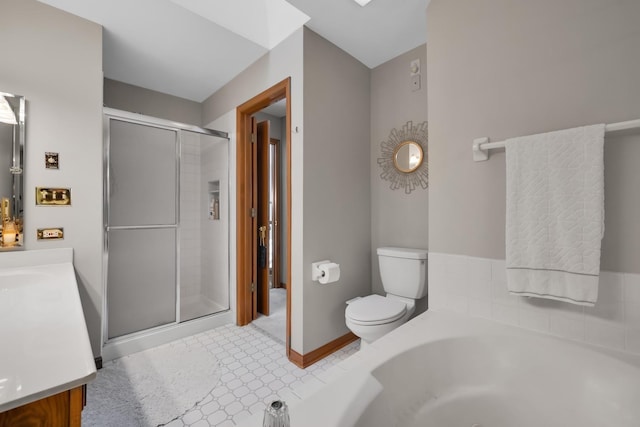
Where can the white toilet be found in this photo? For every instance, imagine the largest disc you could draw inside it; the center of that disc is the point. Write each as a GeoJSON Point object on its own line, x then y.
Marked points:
{"type": "Point", "coordinates": [403, 273]}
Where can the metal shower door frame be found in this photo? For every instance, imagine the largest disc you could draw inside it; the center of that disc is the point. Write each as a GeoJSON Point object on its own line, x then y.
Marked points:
{"type": "Point", "coordinates": [139, 119]}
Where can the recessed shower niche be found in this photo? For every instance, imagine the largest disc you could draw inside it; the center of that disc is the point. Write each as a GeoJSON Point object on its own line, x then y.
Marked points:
{"type": "Point", "coordinates": [213, 212]}
{"type": "Point", "coordinates": [167, 260]}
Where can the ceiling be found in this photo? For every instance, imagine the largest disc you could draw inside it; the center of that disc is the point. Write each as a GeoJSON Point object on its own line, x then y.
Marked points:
{"type": "Point", "coordinates": [191, 48]}
{"type": "Point", "coordinates": [278, 109]}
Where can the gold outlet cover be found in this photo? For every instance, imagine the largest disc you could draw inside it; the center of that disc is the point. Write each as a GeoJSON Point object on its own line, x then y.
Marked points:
{"type": "Point", "coordinates": [51, 233]}
{"type": "Point", "coordinates": [53, 196]}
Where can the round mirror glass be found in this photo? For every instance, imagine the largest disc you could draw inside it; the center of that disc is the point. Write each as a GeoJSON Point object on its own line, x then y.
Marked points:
{"type": "Point", "coordinates": [408, 156]}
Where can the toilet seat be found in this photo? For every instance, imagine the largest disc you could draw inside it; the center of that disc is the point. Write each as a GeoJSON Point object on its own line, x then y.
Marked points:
{"type": "Point", "coordinates": [375, 310]}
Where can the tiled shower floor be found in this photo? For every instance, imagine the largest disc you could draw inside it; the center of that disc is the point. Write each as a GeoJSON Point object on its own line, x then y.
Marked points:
{"type": "Point", "coordinates": [254, 372]}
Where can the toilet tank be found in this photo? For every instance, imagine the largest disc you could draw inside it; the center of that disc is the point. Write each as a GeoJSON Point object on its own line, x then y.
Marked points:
{"type": "Point", "coordinates": [403, 271]}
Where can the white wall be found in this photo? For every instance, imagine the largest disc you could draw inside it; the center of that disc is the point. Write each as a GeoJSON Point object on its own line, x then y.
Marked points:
{"type": "Point", "coordinates": [501, 69]}
{"type": "Point", "coordinates": [54, 59]}
{"type": "Point", "coordinates": [478, 287]}
{"type": "Point", "coordinates": [397, 219]}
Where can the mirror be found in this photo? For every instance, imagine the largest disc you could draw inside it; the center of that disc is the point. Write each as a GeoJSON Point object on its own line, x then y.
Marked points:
{"type": "Point", "coordinates": [404, 157]}
{"type": "Point", "coordinates": [12, 141]}
{"type": "Point", "coordinates": [408, 156]}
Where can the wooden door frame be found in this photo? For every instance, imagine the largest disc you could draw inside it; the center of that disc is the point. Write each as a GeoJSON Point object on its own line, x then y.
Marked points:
{"type": "Point", "coordinates": [276, 213]}
{"type": "Point", "coordinates": [281, 90]}
{"type": "Point", "coordinates": [261, 168]}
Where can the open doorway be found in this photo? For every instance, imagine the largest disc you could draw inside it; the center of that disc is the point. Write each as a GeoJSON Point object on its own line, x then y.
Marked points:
{"type": "Point", "coordinates": [271, 291]}
{"type": "Point", "coordinates": [264, 212]}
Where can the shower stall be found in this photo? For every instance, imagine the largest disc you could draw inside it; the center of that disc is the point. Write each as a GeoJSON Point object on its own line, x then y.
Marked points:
{"type": "Point", "coordinates": [166, 225]}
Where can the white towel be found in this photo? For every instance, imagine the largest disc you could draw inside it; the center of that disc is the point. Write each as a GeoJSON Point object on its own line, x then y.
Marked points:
{"type": "Point", "coordinates": [555, 214]}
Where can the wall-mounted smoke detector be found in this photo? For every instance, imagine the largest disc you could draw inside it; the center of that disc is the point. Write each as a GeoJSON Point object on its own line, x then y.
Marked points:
{"type": "Point", "coordinates": [362, 2]}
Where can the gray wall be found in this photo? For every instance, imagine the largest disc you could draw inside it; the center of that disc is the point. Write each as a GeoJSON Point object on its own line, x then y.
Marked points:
{"type": "Point", "coordinates": [503, 68]}
{"type": "Point", "coordinates": [397, 219]}
{"type": "Point", "coordinates": [276, 126]}
{"type": "Point", "coordinates": [283, 201]}
{"type": "Point", "coordinates": [330, 174]}
{"type": "Point", "coordinates": [56, 63]}
{"type": "Point", "coordinates": [123, 96]}
{"type": "Point", "coordinates": [285, 60]}
{"type": "Point", "coordinates": [219, 112]}
{"type": "Point", "coordinates": [337, 203]}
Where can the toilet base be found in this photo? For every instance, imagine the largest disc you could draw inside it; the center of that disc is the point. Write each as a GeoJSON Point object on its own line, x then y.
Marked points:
{"type": "Point", "coordinates": [370, 333]}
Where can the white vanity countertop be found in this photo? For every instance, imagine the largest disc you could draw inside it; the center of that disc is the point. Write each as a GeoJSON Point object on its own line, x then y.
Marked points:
{"type": "Point", "coordinates": [44, 344]}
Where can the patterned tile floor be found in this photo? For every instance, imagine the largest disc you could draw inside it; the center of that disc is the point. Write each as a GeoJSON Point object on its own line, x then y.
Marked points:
{"type": "Point", "coordinates": [254, 372]}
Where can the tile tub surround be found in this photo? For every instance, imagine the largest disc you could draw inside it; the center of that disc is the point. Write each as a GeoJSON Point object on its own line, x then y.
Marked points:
{"type": "Point", "coordinates": [477, 287]}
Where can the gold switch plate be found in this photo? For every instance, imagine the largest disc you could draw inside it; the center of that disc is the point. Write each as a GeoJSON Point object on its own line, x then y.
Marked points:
{"type": "Point", "coordinates": [51, 233]}
{"type": "Point", "coordinates": [53, 196]}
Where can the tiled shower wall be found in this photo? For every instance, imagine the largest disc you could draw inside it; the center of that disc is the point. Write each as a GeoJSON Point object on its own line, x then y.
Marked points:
{"type": "Point", "coordinates": [214, 253]}
{"type": "Point", "coordinates": [478, 287]}
{"type": "Point", "coordinates": [190, 215]}
{"type": "Point", "coordinates": [204, 243]}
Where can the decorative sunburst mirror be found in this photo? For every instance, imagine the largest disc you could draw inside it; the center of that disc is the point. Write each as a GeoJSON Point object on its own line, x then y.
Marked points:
{"type": "Point", "coordinates": [404, 158]}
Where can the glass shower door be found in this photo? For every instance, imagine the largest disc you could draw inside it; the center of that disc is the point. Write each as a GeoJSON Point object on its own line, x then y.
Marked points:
{"type": "Point", "coordinates": [204, 226]}
{"type": "Point", "coordinates": [141, 227]}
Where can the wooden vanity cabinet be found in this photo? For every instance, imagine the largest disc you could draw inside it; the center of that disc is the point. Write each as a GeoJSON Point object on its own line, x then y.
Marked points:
{"type": "Point", "coordinates": [60, 410]}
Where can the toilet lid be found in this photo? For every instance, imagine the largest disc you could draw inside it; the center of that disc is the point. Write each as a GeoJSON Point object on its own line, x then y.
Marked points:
{"type": "Point", "coordinates": [375, 309]}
